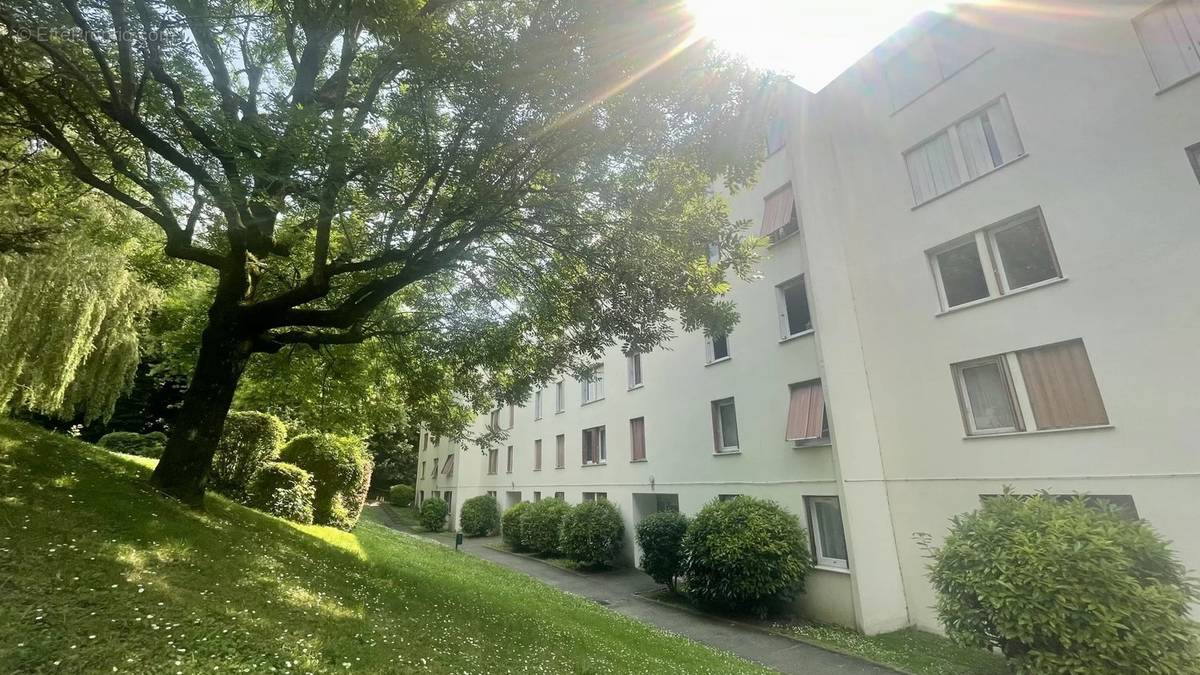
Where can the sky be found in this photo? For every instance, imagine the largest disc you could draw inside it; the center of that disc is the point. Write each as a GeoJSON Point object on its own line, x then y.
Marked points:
{"type": "Point", "coordinates": [812, 40]}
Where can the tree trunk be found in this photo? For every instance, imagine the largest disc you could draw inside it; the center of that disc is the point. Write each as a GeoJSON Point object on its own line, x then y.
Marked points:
{"type": "Point", "coordinates": [182, 472]}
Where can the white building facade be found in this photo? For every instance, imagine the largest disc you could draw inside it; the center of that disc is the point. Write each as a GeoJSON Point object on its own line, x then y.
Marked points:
{"type": "Point", "coordinates": [983, 274]}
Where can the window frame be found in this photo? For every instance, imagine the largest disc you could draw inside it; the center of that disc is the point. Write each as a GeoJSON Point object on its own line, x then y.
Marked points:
{"type": "Point", "coordinates": [1137, 30]}
{"type": "Point", "coordinates": [719, 447]}
{"type": "Point", "coordinates": [1002, 362]}
{"type": "Point", "coordinates": [636, 378]}
{"type": "Point", "coordinates": [591, 388]}
{"type": "Point", "coordinates": [814, 530]}
{"type": "Point", "coordinates": [951, 131]}
{"type": "Point", "coordinates": [560, 451]}
{"type": "Point", "coordinates": [710, 350]}
{"type": "Point", "coordinates": [598, 436]}
{"type": "Point", "coordinates": [634, 424]}
{"type": "Point", "coordinates": [560, 396]}
{"type": "Point", "coordinates": [537, 454]}
{"type": "Point", "coordinates": [508, 462]}
{"type": "Point", "coordinates": [493, 461]}
{"type": "Point", "coordinates": [781, 305]}
{"type": "Point", "coordinates": [537, 403]}
{"type": "Point", "coordinates": [991, 261]}
{"type": "Point", "coordinates": [790, 227]}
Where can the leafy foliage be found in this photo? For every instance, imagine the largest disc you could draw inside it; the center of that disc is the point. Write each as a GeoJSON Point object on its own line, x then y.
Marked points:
{"type": "Point", "coordinates": [745, 553]}
{"type": "Point", "coordinates": [355, 500]}
{"type": "Point", "coordinates": [395, 459]}
{"type": "Point", "coordinates": [401, 495]}
{"type": "Point", "coordinates": [592, 533]}
{"type": "Point", "coordinates": [131, 443]}
{"type": "Point", "coordinates": [660, 536]}
{"type": "Point", "coordinates": [541, 525]}
{"type": "Point", "coordinates": [283, 490]}
{"type": "Point", "coordinates": [248, 442]}
{"type": "Point", "coordinates": [510, 526]}
{"type": "Point", "coordinates": [479, 516]}
{"type": "Point", "coordinates": [339, 467]}
{"type": "Point", "coordinates": [432, 514]}
{"type": "Point", "coordinates": [1065, 588]}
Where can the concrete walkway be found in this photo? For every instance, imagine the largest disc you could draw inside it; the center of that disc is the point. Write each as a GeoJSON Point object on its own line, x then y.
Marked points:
{"type": "Point", "coordinates": [616, 590]}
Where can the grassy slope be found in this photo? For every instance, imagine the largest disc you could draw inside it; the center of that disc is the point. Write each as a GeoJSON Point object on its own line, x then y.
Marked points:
{"type": "Point", "coordinates": [98, 573]}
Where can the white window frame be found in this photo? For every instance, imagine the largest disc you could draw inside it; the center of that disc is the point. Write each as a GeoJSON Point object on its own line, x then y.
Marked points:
{"type": "Point", "coordinates": [991, 261]}
{"type": "Point", "coordinates": [710, 351]}
{"type": "Point", "coordinates": [560, 397]}
{"type": "Point", "coordinates": [956, 150]}
{"type": "Point", "coordinates": [719, 441]}
{"type": "Point", "coordinates": [1194, 47]}
{"type": "Point", "coordinates": [537, 404]}
{"type": "Point", "coordinates": [591, 388]}
{"type": "Point", "coordinates": [494, 422]}
{"type": "Point", "coordinates": [781, 305]}
{"type": "Point", "coordinates": [1010, 374]}
{"type": "Point", "coordinates": [819, 556]}
{"type": "Point", "coordinates": [600, 457]}
{"type": "Point", "coordinates": [634, 373]}
{"type": "Point", "coordinates": [538, 454]}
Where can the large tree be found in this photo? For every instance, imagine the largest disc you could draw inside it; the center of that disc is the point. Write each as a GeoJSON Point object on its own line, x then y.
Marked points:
{"type": "Point", "coordinates": [535, 171]}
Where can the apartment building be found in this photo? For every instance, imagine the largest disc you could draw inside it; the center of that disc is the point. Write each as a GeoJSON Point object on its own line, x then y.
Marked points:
{"type": "Point", "coordinates": [982, 274]}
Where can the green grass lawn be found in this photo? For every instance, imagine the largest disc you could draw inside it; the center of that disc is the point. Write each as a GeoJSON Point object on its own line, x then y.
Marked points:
{"type": "Point", "coordinates": [100, 574]}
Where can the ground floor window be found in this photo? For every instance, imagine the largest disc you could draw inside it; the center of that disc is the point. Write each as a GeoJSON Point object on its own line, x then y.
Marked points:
{"type": "Point", "coordinates": [825, 529]}
{"type": "Point", "coordinates": [595, 496]}
{"type": "Point", "coordinates": [537, 496]}
{"type": "Point", "coordinates": [666, 503]}
{"type": "Point", "coordinates": [725, 498]}
{"type": "Point", "coordinates": [560, 496]}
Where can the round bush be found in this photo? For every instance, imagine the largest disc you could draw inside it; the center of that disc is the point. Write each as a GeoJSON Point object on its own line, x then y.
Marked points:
{"type": "Point", "coordinates": [1063, 587]}
{"type": "Point", "coordinates": [432, 515]}
{"type": "Point", "coordinates": [130, 443]}
{"type": "Point", "coordinates": [510, 526]}
{"type": "Point", "coordinates": [480, 516]}
{"type": "Point", "coordinates": [660, 536]}
{"type": "Point", "coordinates": [284, 490]}
{"type": "Point", "coordinates": [745, 553]}
{"type": "Point", "coordinates": [541, 524]}
{"type": "Point", "coordinates": [248, 441]}
{"type": "Point", "coordinates": [354, 500]}
{"type": "Point", "coordinates": [592, 533]}
{"type": "Point", "coordinates": [339, 467]}
{"type": "Point", "coordinates": [401, 495]}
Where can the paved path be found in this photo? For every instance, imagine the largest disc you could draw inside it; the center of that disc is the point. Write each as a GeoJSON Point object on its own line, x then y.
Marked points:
{"type": "Point", "coordinates": [616, 590]}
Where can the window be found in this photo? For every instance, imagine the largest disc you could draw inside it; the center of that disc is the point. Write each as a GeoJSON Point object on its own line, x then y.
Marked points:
{"type": "Point", "coordinates": [779, 215]}
{"type": "Point", "coordinates": [716, 348]}
{"type": "Point", "coordinates": [493, 458]}
{"type": "Point", "coordinates": [437, 440]}
{"type": "Point", "coordinates": [725, 431]}
{"type": "Point", "coordinates": [537, 455]}
{"type": "Point", "coordinates": [807, 423]}
{"type": "Point", "coordinates": [1193, 153]}
{"type": "Point", "coordinates": [725, 498]}
{"type": "Point", "coordinates": [560, 496]}
{"type": "Point", "coordinates": [509, 460]}
{"type": "Point", "coordinates": [637, 439]}
{"type": "Point", "coordinates": [494, 422]}
{"type": "Point", "coordinates": [537, 404]}
{"type": "Point", "coordinates": [512, 415]}
{"type": "Point", "coordinates": [433, 474]}
{"type": "Point", "coordinates": [592, 386]}
{"type": "Point", "coordinates": [492, 493]}
{"type": "Point", "coordinates": [560, 451]}
{"type": "Point", "coordinates": [595, 496]}
{"type": "Point", "coordinates": [828, 536]}
{"type": "Point", "coordinates": [776, 134]}
{"type": "Point", "coordinates": [792, 299]}
{"type": "Point", "coordinates": [423, 474]}
{"type": "Point", "coordinates": [1013, 254]}
{"type": "Point", "coordinates": [1170, 35]}
{"type": "Point", "coordinates": [420, 498]}
{"type": "Point", "coordinates": [560, 397]}
{"type": "Point", "coordinates": [977, 145]}
{"type": "Point", "coordinates": [665, 502]}
{"type": "Point", "coordinates": [634, 368]}
{"type": "Point", "coordinates": [448, 467]}
{"type": "Point", "coordinates": [537, 496]}
{"type": "Point", "coordinates": [425, 441]}
{"type": "Point", "coordinates": [939, 53]}
{"type": "Point", "coordinates": [1057, 390]}
{"type": "Point", "coordinates": [594, 451]}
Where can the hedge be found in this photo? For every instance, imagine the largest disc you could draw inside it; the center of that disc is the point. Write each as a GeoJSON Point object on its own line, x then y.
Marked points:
{"type": "Point", "coordinates": [745, 554]}
{"type": "Point", "coordinates": [248, 442]}
{"type": "Point", "coordinates": [130, 443]}
{"type": "Point", "coordinates": [284, 490]}
{"type": "Point", "coordinates": [592, 533]}
{"type": "Point", "coordinates": [510, 525]}
{"type": "Point", "coordinates": [340, 471]}
{"type": "Point", "coordinates": [432, 515]}
{"type": "Point", "coordinates": [541, 525]}
{"type": "Point", "coordinates": [660, 536]}
{"type": "Point", "coordinates": [401, 495]}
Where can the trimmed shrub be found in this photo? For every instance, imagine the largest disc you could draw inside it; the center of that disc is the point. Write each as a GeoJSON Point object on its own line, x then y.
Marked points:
{"type": "Point", "coordinates": [284, 490]}
{"type": "Point", "coordinates": [130, 443]}
{"type": "Point", "coordinates": [432, 515]}
{"type": "Point", "coordinates": [660, 536]}
{"type": "Point", "coordinates": [541, 525]}
{"type": "Point", "coordinates": [592, 533]}
{"type": "Point", "coordinates": [401, 495]}
{"type": "Point", "coordinates": [510, 526]}
{"type": "Point", "coordinates": [745, 554]}
{"type": "Point", "coordinates": [480, 516]}
{"type": "Point", "coordinates": [339, 468]}
{"type": "Point", "coordinates": [1064, 587]}
{"type": "Point", "coordinates": [248, 442]}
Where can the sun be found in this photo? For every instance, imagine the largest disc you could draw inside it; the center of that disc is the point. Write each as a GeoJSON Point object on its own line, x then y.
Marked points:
{"type": "Point", "coordinates": [812, 41]}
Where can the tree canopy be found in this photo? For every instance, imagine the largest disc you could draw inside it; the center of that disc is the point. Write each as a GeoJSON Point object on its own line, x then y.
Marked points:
{"type": "Point", "coordinates": [514, 184]}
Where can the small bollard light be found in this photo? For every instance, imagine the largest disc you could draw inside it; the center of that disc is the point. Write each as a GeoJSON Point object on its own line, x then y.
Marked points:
{"type": "Point", "coordinates": [457, 540]}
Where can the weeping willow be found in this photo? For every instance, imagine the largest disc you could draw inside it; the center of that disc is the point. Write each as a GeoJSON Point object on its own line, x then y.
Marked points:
{"type": "Point", "coordinates": [68, 330]}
